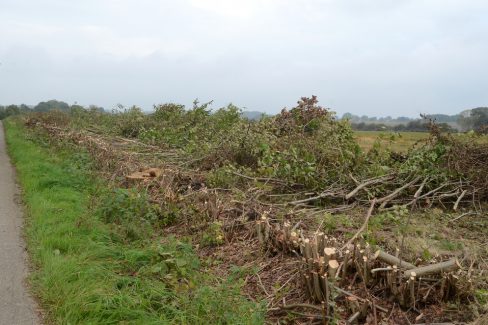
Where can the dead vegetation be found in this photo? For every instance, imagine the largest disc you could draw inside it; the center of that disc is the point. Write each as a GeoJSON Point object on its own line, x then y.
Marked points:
{"type": "Point", "coordinates": [285, 198]}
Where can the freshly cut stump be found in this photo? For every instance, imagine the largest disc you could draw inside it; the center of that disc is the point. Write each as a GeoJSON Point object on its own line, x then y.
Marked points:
{"type": "Point", "coordinates": [143, 176]}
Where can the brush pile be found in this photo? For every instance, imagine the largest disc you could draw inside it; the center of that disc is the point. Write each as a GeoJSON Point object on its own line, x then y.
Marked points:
{"type": "Point", "coordinates": [230, 182]}
{"type": "Point", "coordinates": [329, 267]}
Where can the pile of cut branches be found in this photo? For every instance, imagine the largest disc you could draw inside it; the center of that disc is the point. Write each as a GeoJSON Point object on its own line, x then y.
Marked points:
{"type": "Point", "coordinates": [361, 281]}
{"type": "Point", "coordinates": [246, 183]}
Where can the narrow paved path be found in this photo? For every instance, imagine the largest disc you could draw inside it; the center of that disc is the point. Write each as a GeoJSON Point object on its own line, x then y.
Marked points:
{"type": "Point", "coordinates": [16, 305]}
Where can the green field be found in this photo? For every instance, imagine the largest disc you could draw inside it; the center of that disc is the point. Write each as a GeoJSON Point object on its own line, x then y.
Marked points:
{"type": "Point", "coordinates": [397, 141]}
{"type": "Point", "coordinates": [402, 141]}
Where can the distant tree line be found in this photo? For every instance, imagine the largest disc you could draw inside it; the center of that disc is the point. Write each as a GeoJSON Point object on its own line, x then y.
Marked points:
{"type": "Point", "coordinates": [412, 126]}
{"type": "Point", "coordinates": [50, 105]}
{"type": "Point", "coordinates": [473, 119]}
{"type": "Point", "coordinates": [6, 111]}
{"type": "Point", "coordinates": [388, 120]}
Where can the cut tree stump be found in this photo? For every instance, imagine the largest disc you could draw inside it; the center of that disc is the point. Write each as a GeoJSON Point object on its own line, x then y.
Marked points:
{"type": "Point", "coordinates": [143, 176]}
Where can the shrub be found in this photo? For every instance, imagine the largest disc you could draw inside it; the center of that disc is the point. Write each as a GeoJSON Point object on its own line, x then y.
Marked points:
{"type": "Point", "coordinates": [131, 211]}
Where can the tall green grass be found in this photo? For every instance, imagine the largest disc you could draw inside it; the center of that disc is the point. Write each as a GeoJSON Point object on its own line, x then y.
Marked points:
{"type": "Point", "coordinates": [85, 272]}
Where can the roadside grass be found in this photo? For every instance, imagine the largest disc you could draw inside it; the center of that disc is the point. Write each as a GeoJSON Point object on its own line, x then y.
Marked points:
{"type": "Point", "coordinates": [85, 272]}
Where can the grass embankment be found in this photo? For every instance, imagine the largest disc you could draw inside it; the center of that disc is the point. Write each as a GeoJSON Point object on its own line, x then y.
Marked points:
{"type": "Point", "coordinates": [86, 271]}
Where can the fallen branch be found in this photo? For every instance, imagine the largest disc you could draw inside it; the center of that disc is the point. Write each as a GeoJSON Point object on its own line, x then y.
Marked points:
{"type": "Point", "coordinates": [427, 194]}
{"type": "Point", "coordinates": [435, 324]}
{"type": "Point", "coordinates": [292, 306]}
{"type": "Point", "coordinates": [420, 189]}
{"type": "Point", "coordinates": [363, 227]}
{"type": "Point", "coordinates": [391, 196]}
{"type": "Point", "coordinates": [367, 183]}
{"type": "Point", "coordinates": [447, 266]}
{"type": "Point", "coordinates": [462, 215]}
{"type": "Point", "coordinates": [313, 198]}
{"type": "Point", "coordinates": [392, 260]}
{"type": "Point", "coordinates": [463, 193]}
{"type": "Point", "coordinates": [354, 317]}
{"type": "Point", "coordinates": [259, 179]}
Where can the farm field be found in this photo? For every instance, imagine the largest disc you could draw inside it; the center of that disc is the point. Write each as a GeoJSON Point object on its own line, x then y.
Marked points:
{"type": "Point", "coordinates": [401, 141]}
{"type": "Point", "coordinates": [397, 141]}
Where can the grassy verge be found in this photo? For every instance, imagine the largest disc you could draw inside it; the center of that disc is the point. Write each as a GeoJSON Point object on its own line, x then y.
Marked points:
{"type": "Point", "coordinates": [86, 272]}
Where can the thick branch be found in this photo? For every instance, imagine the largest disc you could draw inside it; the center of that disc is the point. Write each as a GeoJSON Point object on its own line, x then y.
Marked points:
{"type": "Point", "coordinates": [463, 193]}
{"type": "Point", "coordinates": [392, 260]}
{"type": "Point", "coordinates": [447, 266]}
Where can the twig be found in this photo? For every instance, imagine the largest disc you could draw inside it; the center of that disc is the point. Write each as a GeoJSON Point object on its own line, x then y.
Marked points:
{"type": "Point", "coordinates": [375, 318]}
{"type": "Point", "coordinates": [350, 294]}
{"type": "Point", "coordinates": [313, 198]}
{"type": "Point", "coordinates": [388, 198]}
{"type": "Point", "coordinates": [421, 187]}
{"type": "Point", "coordinates": [381, 269]}
{"type": "Point", "coordinates": [262, 286]}
{"type": "Point", "coordinates": [354, 317]}
{"type": "Point", "coordinates": [363, 227]}
{"type": "Point", "coordinates": [462, 215]}
{"type": "Point", "coordinates": [262, 179]}
{"type": "Point", "coordinates": [427, 194]}
{"type": "Point", "coordinates": [292, 306]}
{"type": "Point", "coordinates": [435, 324]}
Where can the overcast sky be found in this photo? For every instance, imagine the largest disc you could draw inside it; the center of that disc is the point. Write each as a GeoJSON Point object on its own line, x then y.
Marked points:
{"type": "Point", "coordinates": [373, 57]}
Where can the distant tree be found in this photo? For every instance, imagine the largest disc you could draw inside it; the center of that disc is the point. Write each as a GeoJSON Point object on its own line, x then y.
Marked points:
{"type": "Point", "coordinates": [443, 118]}
{"type": "Point", "coordinates": [464, 122]}
{"type": "Point", "coordinates": [96, 108]}
{"type": "Point", "coordinates": [403, 119]}
{"type": "Point", "coordinates": [369, 126]}
{"type": "Point", "coordinates": [476, 118]}
{"type": "Point", "coordinates": [52, 105]}
{"type": "Point", "coordinates": [479, 117]}
{"type": "Point", "coordinates": [76, 107]}
{"type": "Point", "coordinates": [412, 126]}
{"type": "Point", "coordinates": [12, 110]}
{"type": "Point", "coordinates": [24, 108]}
{"type": "Point", "coordinates": [6, 111]}
{"type": "Point", "coordinates": [447, 128]}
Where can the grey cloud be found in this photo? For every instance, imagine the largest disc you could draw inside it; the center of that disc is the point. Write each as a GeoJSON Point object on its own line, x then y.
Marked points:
{"type": "Point", "coordinates": [367, 57]}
